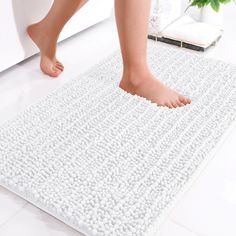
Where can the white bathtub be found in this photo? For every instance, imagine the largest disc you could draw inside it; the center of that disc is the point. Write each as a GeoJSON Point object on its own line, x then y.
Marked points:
{"type": "Point", "coordinates": [16, 15]}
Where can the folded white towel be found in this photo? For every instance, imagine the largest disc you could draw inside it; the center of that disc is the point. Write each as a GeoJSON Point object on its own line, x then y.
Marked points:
{"type": "Point", "coordinates": [163, 12]}
{"type": "Point", "coordinates": [187, 30]}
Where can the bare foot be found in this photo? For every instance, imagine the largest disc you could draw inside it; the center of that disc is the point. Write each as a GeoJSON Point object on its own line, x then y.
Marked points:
{"type": "Point", "coordinates": [47, 46]}
{"type": "Point", "coordinates": [152, 89]}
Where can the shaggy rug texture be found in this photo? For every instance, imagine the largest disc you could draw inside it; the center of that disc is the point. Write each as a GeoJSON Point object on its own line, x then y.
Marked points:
{"type": "Point", "coordinates": [111, 164]}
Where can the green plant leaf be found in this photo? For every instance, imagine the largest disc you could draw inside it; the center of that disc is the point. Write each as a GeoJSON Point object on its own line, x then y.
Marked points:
{"type": "Point", "coordinates": [215, 4]}
{"type": "Point", "coordinates": [225, 1]}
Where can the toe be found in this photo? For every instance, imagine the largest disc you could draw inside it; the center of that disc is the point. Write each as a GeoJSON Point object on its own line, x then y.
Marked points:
{"type": "Point", "coordinates": [168, 104]}
{"type": "Point", "coordinates": [174, 104]}
{"type": "Point", "coordinates": [184, 100]}
{"type": "Point", "coordinates": [59, 63]}
{"type": "Point", "coordinates": [53, 72]}
{"type": "Point", "coordinates": [188, 100]}
{"type": "Point", "coordinates": [59, 66]}
{"type": "Point", "coordinates": [180, 104]}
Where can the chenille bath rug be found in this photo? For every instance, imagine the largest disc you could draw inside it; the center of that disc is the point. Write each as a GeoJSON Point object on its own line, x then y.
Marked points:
{"type": "Point", "coordinates": [111, 164]}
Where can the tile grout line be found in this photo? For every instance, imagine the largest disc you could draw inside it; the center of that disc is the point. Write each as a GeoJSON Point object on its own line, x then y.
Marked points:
{"type": "Point", "coordinates": [186, 227]}
{"type": "Point", "coordinates": [14, 215]}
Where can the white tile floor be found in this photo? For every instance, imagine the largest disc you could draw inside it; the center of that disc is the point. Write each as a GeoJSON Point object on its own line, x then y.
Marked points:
{"type": "Point", "coordinates": [207, 209]}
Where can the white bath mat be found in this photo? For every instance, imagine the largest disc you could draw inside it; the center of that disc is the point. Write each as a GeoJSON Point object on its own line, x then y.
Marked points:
{"type": "Point", "coordinates": [111, 164]}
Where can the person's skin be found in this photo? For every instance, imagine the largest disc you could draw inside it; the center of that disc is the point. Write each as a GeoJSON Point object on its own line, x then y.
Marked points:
{"type": "Point", "coordinates": [46, 32]}
{"type": "Point", "coordinates": [132, 23]}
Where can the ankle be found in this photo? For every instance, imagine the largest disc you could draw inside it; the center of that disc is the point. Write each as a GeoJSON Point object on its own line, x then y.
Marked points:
{"type": "Point", "coordinates": [136, 76]}
{"type": "Point", "coordinates": [45, 30]}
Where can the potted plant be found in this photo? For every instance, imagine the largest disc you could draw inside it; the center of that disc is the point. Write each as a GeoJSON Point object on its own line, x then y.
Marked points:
{"type": "Point", "coordinates": [215, 4]}
{"type": "Point", "coordinates": [211, 10]}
